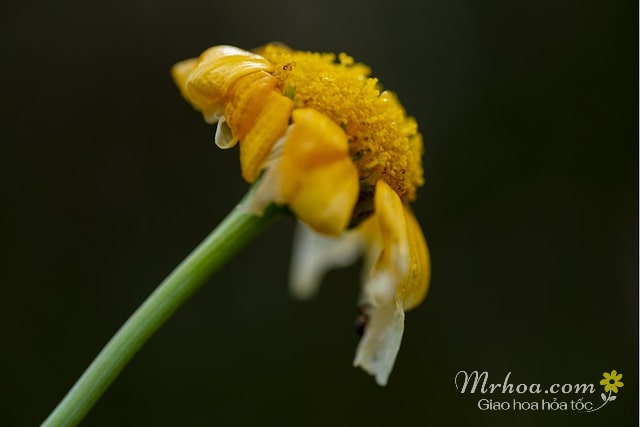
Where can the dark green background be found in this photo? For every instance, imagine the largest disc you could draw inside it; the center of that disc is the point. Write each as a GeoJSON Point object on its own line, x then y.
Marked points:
{"type": "Point", "coordinates": [530, 207]}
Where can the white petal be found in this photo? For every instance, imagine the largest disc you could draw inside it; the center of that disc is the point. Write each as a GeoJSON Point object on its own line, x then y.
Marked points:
{"type": "Point", "coordinates": [224, 136]}
{"type": "Point", "coordinates": [379, 346]}
{"type": "Point", "coordinates": [212, 116]}
{"type": "Point", "coordinates": [380, 289]}
{"type": "Point", "coordinates": [315, 254]}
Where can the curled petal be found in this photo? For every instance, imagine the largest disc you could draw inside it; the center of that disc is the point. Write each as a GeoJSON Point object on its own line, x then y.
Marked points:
{"type": "Point", "coordinates": [180, 72]}
{"type": "Point", "coordinates": [224, 136]}
{"type": "Point", "coordinates": [271, 123]}
{"type": "Point", "coordinates": [390, 214]}
{"type": "Point", "coordinates": [377, 351]}
{"type": "Point", "coordinates": [218, 70]}
{"type": "Point", "coordinates": [314, 175]}
{"type": "Point", "coordinates": [393, 262]}
{"type": "Point", "coordinates": [250, 94]}
{"type": "Point", "coordinates": [319, 180]}
{"type": "Point", "coordinates": [414, 286]}
{"type": "Point", "coordinates": [326, 196]}
{"type": "Point", "coordinates": [316, 140]}
{"type": "Point", "coordinates": [398, 265]}
{"type": "Point", "coordinates": [207, 82]}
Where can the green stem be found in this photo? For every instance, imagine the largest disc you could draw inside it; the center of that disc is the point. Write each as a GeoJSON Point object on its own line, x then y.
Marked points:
{"type": "Point", "coordinates": [237, 229]}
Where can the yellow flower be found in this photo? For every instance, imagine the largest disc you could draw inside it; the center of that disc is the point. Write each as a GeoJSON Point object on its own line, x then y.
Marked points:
{"type": "Point", "coordinates": [611, 381]}
{"type": "Point", "coordinates": [326, 141]}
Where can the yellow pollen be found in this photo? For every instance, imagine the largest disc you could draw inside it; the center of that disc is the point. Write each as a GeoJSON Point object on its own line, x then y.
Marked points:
{"type": "Point", "coordinates": [383, 142]}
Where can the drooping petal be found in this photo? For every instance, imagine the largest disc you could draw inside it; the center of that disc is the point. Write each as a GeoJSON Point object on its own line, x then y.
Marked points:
{"type": "Point", "coordinates": [398, 275]}
{"type": "Point", "coordinates": [314, 174]}
{"type": "Point", "coordinates": [224, 136]}
{"type": "Point", "coordinates": [249, 95]}
{"type": "Point", "coordinates": [270, 125]}
{"type": "Point", "coordinates": [315, 254]}
{"type": "Point", "coordinates": [217, 71]}
{"type": "Point", "coordinates": [207, 81]}
{"type": "Point", "coordinates": [180, 72]}
{"type": "Point", "coordinates": [413, 288]}
{"type": "Point", "coordinates": [320, 180]}
{"type": "Point", "coordinates": [326, 197]}
{"type": "Point", "coordinates": [379, 346]}
{"type": "Point", "coordinates": [393, 262]}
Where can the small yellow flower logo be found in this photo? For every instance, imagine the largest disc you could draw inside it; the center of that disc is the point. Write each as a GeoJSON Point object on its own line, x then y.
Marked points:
{"type": "Point", "coordinates": [611, 381]}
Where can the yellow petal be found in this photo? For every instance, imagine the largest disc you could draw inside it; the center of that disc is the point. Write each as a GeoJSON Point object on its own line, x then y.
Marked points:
{"type": "Point", "coordinates": [413, 288]}
{"type": "Point", "coordinates": [270, 125]}
{"type": "Point", "coordinates": [389, 213]}
{"type": "Point", "coordinates": [326, 196]}
{"type": "Point", "coordinates": [397, 255]}
{"type": "Point", "coordinates": [210, 83]}
{"type": "Point", "coordinates": [318, 178]}
{"type": "Point", "coordinates": [318, 139]}
{"type": "Point", "coordinates": [387, 260]}
{"type": "Point", "coordinates": [180, 72]}
{"type": "Point", "coordinates": [249, 96]}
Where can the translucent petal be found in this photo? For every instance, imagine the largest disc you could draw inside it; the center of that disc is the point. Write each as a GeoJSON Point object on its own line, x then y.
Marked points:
{"type": "Point", "coordinates": [315, 254]}
{"type": "Point", "coordinates": [397, 266]}
{"type": "Point", "coordinates": [377, 351]}
{"type": "Point", "coordinates": [224, 136]}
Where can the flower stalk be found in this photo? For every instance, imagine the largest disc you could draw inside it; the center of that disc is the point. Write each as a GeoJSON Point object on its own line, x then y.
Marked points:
{"type": "Point", "coordinates": [233, 233]}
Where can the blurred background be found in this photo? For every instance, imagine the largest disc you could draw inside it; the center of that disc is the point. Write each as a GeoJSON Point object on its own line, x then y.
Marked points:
{"type": "Point", "coordinates": [108, 179]}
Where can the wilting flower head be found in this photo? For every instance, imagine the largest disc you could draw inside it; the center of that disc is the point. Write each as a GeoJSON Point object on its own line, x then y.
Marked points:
{"type": "Point", "coordinates": [325, 140]}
